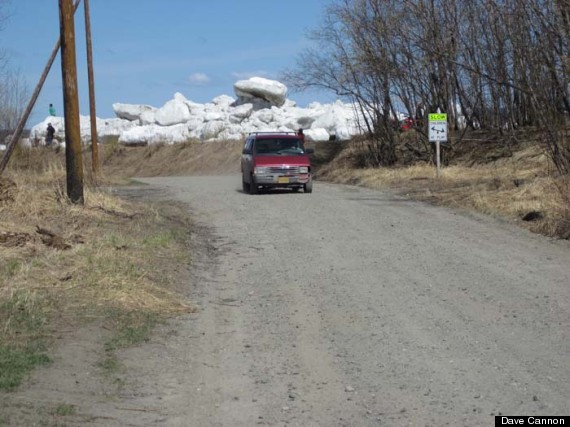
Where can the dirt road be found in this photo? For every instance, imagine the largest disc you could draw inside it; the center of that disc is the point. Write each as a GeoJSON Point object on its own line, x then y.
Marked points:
{"type": "Point", "coordinates": [351, 307]}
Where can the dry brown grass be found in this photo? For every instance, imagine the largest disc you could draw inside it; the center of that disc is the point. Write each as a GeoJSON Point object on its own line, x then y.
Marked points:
{"type": "Point", "coordinates": [119, 257]}
{"type": "Point", "coordinates": [181, 159]}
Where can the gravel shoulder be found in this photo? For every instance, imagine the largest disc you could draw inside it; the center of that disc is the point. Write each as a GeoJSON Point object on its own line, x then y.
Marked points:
{"type": "Point", "coordinates": [351, 307]}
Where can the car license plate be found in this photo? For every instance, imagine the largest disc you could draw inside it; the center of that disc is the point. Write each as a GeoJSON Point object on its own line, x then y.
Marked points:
{"type": "Point", "coordinates": [283, 180]}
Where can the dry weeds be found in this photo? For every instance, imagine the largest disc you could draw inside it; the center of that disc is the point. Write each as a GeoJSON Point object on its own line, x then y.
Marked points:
{"type": "Point", "coordinates": [116, 256]}
{"type": "Point", "coordinates": [196, 158]}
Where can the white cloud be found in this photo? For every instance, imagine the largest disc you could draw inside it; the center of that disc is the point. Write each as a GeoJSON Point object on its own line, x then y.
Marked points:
{"type": "Point", "coordinates": [199, 79]}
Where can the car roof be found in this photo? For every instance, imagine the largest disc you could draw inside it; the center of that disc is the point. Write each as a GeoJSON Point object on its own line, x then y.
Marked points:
{"type": "Point", "coordinates": [267, 135]}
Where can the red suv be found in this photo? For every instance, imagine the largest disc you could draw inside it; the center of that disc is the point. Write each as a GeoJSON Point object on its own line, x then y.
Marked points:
{"type": "Point", "coordinates": [275, 159]}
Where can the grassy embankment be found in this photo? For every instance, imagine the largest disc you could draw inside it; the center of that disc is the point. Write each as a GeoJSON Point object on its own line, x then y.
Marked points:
{"type": "Point", "coordinates": [110, 261]}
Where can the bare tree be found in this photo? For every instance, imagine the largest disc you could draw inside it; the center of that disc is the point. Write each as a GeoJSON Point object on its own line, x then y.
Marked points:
{"type": "Point", "coordinates": [494, 64]}
{"type": "Point", "coordinates": [354, 60]}
{"type": "Point", "coordinates": [3, 17]}
{"type": "Point", "coordinates": [13, 96]}
{"type": "Point", "coordinates": [13, 89]}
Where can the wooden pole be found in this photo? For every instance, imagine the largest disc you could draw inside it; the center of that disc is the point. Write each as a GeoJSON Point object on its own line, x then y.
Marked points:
{"type": "Point", "coordinates": [92, 109]}
{"type": "Point", "coordinates": [73, 159]}
{"type": "Point", "coordinates": [31, 103]}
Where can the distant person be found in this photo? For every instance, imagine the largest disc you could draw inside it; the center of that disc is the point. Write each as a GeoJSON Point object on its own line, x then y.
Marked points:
{"type": "Point", "coordinates": [301, 135]}
{"type": "Point", "coordinates": [420, 113]}
{"type": "Point", "coordinates": [51, 110]}
{"type": "Point", "coordinates": [50, 134]}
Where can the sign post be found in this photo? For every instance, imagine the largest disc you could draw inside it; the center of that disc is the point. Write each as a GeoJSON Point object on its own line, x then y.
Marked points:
{"type": "Point", "coordinates": [437, 131]}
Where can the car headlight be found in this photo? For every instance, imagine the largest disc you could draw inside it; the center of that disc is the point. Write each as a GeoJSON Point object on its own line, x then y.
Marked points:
{"type": "Point", "coordinates": [260, 170]}
{"type": "Point", "coordinates": [304, 169]}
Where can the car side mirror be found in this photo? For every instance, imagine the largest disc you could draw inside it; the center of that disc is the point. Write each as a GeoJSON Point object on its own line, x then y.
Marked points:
{"type": "Point", "coordinates": [309, 151]}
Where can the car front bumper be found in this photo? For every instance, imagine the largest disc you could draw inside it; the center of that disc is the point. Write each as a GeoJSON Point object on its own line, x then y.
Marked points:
{"type": "Point", "coordinates": [274, 180]}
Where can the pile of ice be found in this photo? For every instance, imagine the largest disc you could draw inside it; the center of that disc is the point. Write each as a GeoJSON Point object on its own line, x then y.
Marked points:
{"type": "Point", "coordinates": [260, 105]}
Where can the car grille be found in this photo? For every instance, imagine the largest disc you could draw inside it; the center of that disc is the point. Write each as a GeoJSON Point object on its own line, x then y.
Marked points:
{"type": "Point", "coordinates": [283, 170]}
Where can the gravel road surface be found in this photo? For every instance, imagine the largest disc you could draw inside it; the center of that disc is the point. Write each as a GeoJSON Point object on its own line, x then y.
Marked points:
{"type": "Point", "coordinates": [352, 307]}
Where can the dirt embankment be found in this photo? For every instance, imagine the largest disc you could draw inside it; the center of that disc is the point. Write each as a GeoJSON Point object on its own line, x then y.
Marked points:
{"type": "Point", "coordinates": [213, 158]}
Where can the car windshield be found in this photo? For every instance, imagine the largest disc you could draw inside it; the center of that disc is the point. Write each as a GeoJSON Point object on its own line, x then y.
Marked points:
{"type": "Point", "coordinates": [279, 146]}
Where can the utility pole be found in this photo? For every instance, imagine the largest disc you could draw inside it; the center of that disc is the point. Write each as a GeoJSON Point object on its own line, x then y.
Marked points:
{"type": "Point", "coordinates": [92, 110]}
{"type": "Point", "coordinates": [73, 159]}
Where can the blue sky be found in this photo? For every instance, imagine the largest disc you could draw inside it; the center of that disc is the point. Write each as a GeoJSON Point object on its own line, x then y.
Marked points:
{"type": "Point", "coordinates": [146, 50]}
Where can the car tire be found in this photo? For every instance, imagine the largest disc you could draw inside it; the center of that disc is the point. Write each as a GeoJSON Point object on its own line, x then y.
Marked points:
{"type": "Point", "coordinates": [252, 186]}
{"type": "Point", "coordinates": [308, 187]}
{"type": "Point", "coordinates": [244, 186]}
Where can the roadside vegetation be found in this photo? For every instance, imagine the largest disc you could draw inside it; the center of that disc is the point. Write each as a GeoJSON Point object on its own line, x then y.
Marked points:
{"type": "Point", "coordinates": [111, 261]}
